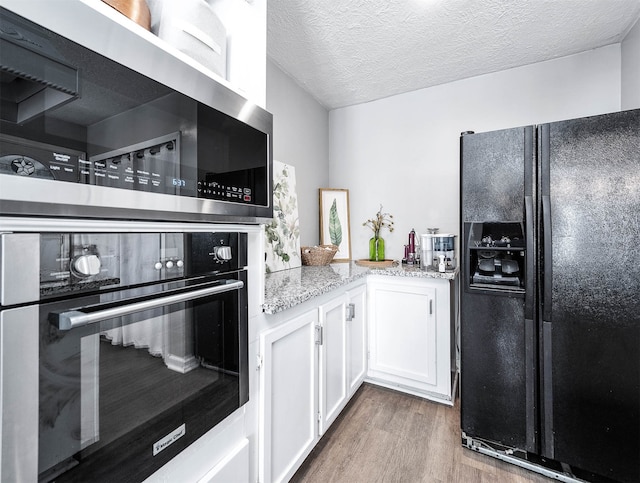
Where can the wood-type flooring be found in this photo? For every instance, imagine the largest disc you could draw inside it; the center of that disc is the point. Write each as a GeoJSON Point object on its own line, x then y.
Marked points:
{"type": "Point", "coordinates": [387, 436]}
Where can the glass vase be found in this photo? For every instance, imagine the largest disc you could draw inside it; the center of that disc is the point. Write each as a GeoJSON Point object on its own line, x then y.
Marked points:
{"type": "Point", "coordinates": [376, 249]}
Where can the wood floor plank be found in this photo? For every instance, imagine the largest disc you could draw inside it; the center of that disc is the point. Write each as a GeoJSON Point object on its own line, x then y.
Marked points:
{"type": "Point", "coordinates": [386, 436]}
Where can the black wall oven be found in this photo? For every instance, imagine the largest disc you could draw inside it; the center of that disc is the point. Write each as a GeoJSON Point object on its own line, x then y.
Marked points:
{"type": "Point", "coordinates": [117, 350]}
{"type": "Point", "coordinates": [84, 135]}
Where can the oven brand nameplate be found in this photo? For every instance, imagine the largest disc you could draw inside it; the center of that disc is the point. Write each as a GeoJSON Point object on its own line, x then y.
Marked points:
{"type": "Point", "coordinates": [169, 439]}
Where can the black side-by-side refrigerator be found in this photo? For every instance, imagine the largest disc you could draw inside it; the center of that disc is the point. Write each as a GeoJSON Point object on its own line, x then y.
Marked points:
{"type": "Point", "coordinates": [550, 300]}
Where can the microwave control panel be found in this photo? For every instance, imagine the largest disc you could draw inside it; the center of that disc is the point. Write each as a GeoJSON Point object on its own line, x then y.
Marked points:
{"type": "Point", "coordinates": [152, 166]}
{"type": "Point", "coordinates": [38, 160]}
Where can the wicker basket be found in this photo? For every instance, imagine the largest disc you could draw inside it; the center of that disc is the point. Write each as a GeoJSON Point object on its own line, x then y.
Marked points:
{"type": "Point", "coordinates": [318, 255]}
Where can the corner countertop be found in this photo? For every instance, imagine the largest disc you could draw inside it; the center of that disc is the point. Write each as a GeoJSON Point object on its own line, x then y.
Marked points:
{"type": "Point", "coordinates": [288, 288]}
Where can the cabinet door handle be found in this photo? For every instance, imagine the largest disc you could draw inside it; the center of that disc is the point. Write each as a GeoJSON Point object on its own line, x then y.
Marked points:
{"type": "Point", "coordinates": [430, 306]}
{"type": "Point", "coordinates": [351, 311]}
{"type": "Point", "coordinates": [318, 335]}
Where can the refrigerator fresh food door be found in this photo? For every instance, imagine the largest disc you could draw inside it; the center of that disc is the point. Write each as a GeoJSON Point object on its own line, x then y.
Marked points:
{"type": "Point", "coordinates": [590, 269]}
{"type": "Point", "coordinates": [498, 337]}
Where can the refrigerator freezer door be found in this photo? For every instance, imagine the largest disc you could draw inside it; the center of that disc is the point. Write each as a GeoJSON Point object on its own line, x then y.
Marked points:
{"type": "Point", "coordinates": [590, 183]}
{"type": "Point", "coordinates": [493, 176]}
{"type": "Point", "coordinates": [498, 336]}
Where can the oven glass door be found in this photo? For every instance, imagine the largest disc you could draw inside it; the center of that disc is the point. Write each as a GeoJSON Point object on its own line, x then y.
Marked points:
{"type": "Point", "coordinates": [126, 385]}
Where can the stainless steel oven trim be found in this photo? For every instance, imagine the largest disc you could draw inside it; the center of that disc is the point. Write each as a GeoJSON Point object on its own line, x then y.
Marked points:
{"type": "Point", "coordinates": [40, 197]}
{"type": "Point", "coordinates": [19, 394]}
{"type": "Point", "coordinates": [79, 225]}
{"type": "Point", "coordinates": [19, 268]}
{"type": "Point", "coordinates": [77, 318]}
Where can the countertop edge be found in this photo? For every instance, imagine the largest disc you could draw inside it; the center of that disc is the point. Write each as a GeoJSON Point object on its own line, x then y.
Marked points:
{"type": "Point", "coordinates": [288, 288]}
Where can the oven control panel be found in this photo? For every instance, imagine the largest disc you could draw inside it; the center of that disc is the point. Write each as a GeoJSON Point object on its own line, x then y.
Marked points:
{"type": "Point", "coordinates": [86, 262]}
{"type": "Point", "coordinates": [216, 252]}
{"type": "Point", "coordinates": [70, 263]}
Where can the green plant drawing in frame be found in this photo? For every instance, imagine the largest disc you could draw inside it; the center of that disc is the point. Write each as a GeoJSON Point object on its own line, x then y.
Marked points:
{"type": "Point", "coordinates": [335, 229]}
{"type": "Point", "coordinates": [334, 221]}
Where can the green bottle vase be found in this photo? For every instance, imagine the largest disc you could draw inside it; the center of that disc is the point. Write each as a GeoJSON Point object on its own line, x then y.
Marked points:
{"type": "Point", "coordinates": [376, 249]}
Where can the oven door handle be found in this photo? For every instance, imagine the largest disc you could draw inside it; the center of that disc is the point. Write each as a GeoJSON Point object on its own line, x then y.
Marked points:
{"type": "Point", "coordinates": [76, 318]}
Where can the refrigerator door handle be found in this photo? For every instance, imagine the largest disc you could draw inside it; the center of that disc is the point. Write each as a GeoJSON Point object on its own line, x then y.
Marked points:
{"type": "Point", "coordinates": [545, 262]}
{"type": "Point", "coordinates": [530, 257]}
{"type": "Point", "coordinates": [545, 266]}
{"type": "Point", "coordinates": [530, 331]}
{"type": "Point", "coordinates": [548, 439]}
{"type": "Point", "coordinates": [547, 280]}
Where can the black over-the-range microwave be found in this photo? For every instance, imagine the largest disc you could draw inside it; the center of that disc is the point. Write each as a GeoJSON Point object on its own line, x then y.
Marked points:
{"type": "Point", "coordinates": [86, 135]}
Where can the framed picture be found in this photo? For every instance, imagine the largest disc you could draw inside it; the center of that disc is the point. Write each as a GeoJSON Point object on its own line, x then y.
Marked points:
{"type": "Point", "coordinates": [334, 222]}
{"type": "Point", "coordinates": [282, 234]}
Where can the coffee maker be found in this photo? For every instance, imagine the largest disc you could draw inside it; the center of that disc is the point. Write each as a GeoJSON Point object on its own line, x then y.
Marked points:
{"type": "Point", "coordinates": [438, 251]}
{"type": "Point", "coordinates": [444, 246]}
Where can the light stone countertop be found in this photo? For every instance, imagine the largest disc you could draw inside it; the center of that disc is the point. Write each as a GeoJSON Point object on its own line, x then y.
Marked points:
{"type": "Point", "coordinates": [288, 288]}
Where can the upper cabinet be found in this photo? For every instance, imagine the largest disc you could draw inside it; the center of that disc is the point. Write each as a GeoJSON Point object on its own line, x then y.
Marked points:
{"type": "Point", "coordinates": [246, 24]}
{"type": "Point", "coordinates": [237, 42]}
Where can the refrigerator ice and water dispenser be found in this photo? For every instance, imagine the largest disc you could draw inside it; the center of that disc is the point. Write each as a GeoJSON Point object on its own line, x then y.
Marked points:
{"type": "Point", "coordinates": [496, 255]}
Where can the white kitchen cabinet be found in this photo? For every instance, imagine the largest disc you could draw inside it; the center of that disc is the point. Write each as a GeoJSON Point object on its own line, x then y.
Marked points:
{"type": "Point", "coordinates": [412, 335]}
{"type": "Point", "coordinates": [233, 467]}
{"type": "Point", "coordinates": [288, 396]}
{"type": "Point", "coordinates": [356, 337]}
{"type": "Point", "coordinates": [342, 354]}
{"type": "Point", "coordinates": [332, 360]}
{"type": "Point", "coordinates": [312, 361]}
{"type": "Point", "coordinates": [101, 28]}
{"type": "Point", "coordinates": [246, 24]}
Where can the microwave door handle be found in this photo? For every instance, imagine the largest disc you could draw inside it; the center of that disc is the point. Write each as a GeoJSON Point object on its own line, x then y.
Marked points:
{"type": "Point", "coordinates": [76, 318]}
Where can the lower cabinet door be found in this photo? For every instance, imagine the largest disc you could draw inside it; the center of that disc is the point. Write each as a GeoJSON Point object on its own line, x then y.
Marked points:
{"type": "Point", "coordinates": [356, 337]}
{"type": "Point", "coordinates": [333, 361]}
{"type": "Point", "coordinates": [403, 334]}
{"type": "Point", "coordinates": [289, 397]}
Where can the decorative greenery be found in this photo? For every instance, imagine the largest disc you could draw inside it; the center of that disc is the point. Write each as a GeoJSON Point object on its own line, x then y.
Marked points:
{"type": "Point", "coordinates": [381, 220]}
{"type": "Point", "coordinates": [335, 228]}
{"type": "Point", "coordinates": [283, 231]}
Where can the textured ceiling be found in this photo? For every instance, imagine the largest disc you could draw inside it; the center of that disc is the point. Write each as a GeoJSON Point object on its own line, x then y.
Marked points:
{"type": "Point", "coordinates": [346, 52]}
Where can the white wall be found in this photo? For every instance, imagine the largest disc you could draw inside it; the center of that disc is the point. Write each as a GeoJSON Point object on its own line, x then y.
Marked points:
{"type": "Point", "coordinates": [301, 139]}
{"type": "Point", "coordinates": [631, 69]}
{"type": "Point", "coordinates": [403, 151]}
